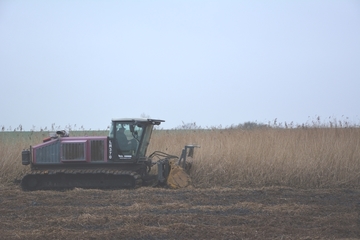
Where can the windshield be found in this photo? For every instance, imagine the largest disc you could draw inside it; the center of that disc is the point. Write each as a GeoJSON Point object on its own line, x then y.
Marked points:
{"type": "Point", "coordinates": [128, 137]}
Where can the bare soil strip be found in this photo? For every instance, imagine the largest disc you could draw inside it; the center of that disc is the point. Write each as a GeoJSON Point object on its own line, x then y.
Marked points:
{"type": "Point", "coordinates": [153, 213]}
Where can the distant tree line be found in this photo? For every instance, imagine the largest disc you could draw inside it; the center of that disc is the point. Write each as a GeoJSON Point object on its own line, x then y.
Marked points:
{"type": "Point", "coordinates": [245, 125]}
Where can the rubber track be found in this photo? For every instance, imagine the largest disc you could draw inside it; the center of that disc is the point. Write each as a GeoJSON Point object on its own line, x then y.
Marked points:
{"type": "Point", "coordinates": [82, 178]}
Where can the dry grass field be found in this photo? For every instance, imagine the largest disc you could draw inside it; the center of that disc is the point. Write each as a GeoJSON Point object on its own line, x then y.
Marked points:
{"type": "Point", "coordinates": [302, 158]}
{"type": "Point", "coordinates": [263, 183]}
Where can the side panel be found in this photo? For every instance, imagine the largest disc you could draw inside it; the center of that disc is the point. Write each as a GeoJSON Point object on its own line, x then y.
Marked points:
{"type": "Point", "coordinates": [70, 150]}
{"type": "Point", "coordinates": [74, 150]}
{"type": "Point", "coordinates": [47, 153]}
{"type": "Point", "coordinates": [98, 150]}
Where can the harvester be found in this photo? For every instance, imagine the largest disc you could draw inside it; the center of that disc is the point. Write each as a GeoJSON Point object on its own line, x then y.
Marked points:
{"type": "Point", "coordinates": [115, 161]}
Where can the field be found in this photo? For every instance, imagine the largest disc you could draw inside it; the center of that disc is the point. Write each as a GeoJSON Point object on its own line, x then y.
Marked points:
{"type": "Point", "coordinates": [211, 213]}
{"type": "Point", "coordinates": [272, 183]}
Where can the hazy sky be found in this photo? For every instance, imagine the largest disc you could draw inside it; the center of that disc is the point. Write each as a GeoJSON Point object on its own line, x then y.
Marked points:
{"type": "Point", "coordinates": [209, 62]}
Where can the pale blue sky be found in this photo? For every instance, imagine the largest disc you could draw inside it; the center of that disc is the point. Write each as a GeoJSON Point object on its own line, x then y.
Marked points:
{"type": "Point", "coordinates": [211, 62]}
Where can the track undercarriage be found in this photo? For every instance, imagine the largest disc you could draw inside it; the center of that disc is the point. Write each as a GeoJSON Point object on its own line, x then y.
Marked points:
{"type": "Point", "coordinates": [81, 178]}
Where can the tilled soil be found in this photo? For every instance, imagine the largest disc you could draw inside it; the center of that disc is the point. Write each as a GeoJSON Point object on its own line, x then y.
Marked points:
{"type": "Point", "coordinates": [154, 213]}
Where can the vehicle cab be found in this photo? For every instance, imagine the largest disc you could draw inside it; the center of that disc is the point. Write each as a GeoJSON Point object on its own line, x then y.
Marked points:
{"type": "Point", "coordinates": [129, 138]}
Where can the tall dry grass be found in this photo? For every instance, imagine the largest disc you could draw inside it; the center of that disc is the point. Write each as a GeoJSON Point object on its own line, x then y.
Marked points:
{"type": "Point", "coordinates": [11, 145]}
{"type": "Point", "coordinates": [305, 158]}
{"type": "Point", "coordinates": [301, 157]}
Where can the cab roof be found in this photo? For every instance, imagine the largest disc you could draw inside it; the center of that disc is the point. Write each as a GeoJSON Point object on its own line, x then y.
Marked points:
{"type": "Point", "coordinates": [142, 120]}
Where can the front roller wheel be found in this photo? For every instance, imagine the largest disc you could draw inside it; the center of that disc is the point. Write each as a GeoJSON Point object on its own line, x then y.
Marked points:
{"type": "Point", "coordinates": [177, 178]}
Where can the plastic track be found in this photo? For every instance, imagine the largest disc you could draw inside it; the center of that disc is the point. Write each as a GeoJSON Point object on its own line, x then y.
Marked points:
{"type": "Point", "coordinates": [81, 178]}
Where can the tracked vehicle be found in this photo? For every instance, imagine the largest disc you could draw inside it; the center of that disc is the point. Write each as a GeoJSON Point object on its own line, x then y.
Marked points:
{"type": "Point", "coordinates": [115, 161]}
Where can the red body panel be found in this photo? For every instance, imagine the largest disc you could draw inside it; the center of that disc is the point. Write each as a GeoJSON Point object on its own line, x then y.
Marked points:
{"type": "Point", "coordinates": [71, 149]}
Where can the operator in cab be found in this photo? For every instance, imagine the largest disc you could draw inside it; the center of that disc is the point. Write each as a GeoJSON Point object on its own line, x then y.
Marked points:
{"type": "Point", "coordinates": [125, 144]}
